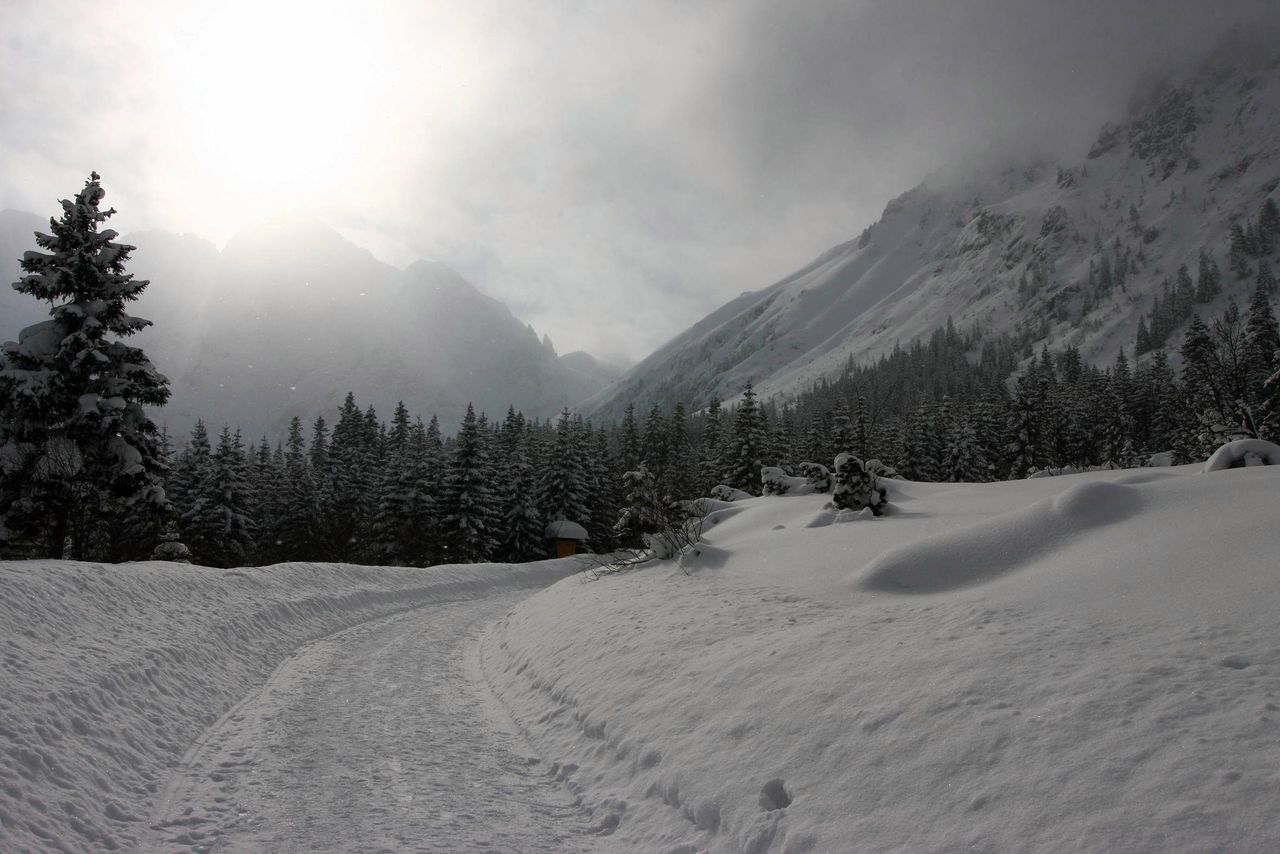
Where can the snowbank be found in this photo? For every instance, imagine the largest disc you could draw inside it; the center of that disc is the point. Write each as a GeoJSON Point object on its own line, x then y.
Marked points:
{"type": "Point", "coordinates": [1242, 453]}
{"type": "Point", "coordinates": [109, 672]}
{"type": "Point", "coordinates": [1089, 662]}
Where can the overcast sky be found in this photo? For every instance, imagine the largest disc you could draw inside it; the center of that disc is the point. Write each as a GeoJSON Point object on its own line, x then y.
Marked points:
{"type": "Point", "coordinates": [612, 171]}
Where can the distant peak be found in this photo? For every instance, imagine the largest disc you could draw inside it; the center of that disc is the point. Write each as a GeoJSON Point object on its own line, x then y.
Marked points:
{"type": "Point", "coordinates": [436, 272]}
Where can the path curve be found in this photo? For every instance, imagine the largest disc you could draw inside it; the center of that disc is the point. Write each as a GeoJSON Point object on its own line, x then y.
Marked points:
{"type": "Point", "coordinates": [381, 737]}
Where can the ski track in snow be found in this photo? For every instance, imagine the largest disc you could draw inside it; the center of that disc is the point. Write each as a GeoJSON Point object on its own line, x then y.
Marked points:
{"type": "Point", "coordinates": [381, 737]}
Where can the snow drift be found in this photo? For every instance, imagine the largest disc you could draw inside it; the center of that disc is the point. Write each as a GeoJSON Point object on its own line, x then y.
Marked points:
{"type": "Point", "coordinates": [1088, 662]}
{"type": "Point", "coordinates": [109, 673]}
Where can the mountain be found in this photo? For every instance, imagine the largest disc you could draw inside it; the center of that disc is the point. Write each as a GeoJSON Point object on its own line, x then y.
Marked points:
{"type": "Point", "coordinates": [290, 316]}
{"type": "Point", "coordinates": [1018, 249]}
{"type": "Point", "coordinates": [593, 368]}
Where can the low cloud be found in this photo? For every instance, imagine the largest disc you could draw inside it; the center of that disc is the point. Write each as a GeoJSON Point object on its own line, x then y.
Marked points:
{"type": "Point", "coordinates": [611, 171]}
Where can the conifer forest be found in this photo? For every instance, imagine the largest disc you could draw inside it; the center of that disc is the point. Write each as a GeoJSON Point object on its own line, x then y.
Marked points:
{"type": "Point", "coordinates": [89, 475]}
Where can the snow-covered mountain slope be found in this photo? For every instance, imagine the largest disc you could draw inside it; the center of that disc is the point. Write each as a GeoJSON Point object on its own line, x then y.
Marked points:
{"type": "Point", "coordinates": [290, 316]}
{"type": "Point", "coordinates": [111, 673]}
{"type": "Point", "coordinates": [1084, 663]}
{"type": "Point", "coordinates": [1008, 248]}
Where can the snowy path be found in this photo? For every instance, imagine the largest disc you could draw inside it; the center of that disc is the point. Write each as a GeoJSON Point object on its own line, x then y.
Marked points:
{"type": "Point", "coordinates": [382, 737]}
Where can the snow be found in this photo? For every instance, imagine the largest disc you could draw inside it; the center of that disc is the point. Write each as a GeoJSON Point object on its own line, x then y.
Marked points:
{"type": "Point", "coordinates": [1085, 662]}
{"type": "Point", "coordinates": [297, 765]}
{"type": "Point", "coordinates": [110, 673]}
{"type": "Point", "coordinates": [955, 247]}
{"type": "Point", "coordinates": [563, 529]}
{"type": "Point", "coordinates": [1244, 452]}
{"type": "Point", "coordinates": [724, 492]}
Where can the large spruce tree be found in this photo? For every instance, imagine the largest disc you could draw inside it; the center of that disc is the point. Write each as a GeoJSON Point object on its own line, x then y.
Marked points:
{"type": "Point", "coordinates": [76, 446]}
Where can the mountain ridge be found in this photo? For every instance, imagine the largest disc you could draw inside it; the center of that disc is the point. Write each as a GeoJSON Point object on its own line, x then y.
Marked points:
{"type": "Point", "coordinates": [1006, 248]}
{"type": "Point", "coordinates": [289, 316]}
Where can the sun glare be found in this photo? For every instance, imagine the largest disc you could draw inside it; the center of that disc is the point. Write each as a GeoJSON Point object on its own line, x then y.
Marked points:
{"type": "Point", "coordinates": [274, 102]}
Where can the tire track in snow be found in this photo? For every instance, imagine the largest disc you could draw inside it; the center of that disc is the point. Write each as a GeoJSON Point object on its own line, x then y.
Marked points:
{"type": "Point", "coordinates": [379, 737]}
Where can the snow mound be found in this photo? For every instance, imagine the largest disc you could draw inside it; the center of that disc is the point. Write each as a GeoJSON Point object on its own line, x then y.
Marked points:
{"type": "Point", "coordinates": [995, 547]}
{"type": "Point", "coordinates": [1117, 693]}
{"type": "Point", "coordinates": [713, 511]}
{"type": "Point", "coordinates": [724, 492]}
{"type": "Point", "coordinates": [109, 673]}
{"type": "Point", "coordinates": [703, 556]}
{"type": "Point", "coordinates": [1242, 453]}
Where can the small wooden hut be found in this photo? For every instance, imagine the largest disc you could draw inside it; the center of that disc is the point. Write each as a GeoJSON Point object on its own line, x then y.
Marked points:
{"type": "Point", "coordinates": [564, 537]}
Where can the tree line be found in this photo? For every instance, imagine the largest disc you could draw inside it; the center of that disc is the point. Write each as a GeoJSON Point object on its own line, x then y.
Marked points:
{"type": "Point", "coordinates": [84, 473]}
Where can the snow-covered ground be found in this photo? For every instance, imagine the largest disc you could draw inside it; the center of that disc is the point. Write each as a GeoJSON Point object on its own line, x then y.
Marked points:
{"type": "Point", "coordinates": [1081, 663]}
{"type": "Point", "coordinates": [371, 739]}
{"type": "Point", "coordinates": [143, 694]}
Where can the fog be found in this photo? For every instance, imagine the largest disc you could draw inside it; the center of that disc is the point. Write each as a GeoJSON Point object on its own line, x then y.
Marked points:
{"type": "Point", "coordinates": [610, 171]}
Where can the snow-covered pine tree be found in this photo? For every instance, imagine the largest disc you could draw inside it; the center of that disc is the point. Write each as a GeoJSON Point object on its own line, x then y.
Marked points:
{"type": "Point", "coordinates": [632, 449]}
{"type": "Point", "coordinates": [266, 470]}
{"type": "Point", "coordinates": [939, 437]}
{"type": "Point", "coordinates": [1165, 404]}
{"type": "Point", "coordinates": [817, 441]}
{"type": "Point", "coordinates": [218, 528]}
{"type": "Point", "coordinates": [1067, 434]}
{"type": "Point", "coordinates": [1213, 380]}
{"type": "Point", "coordinates": [746, 445]}
{"type": "Point", "coordinates": [785, 439]}
{"type": "Point", "coordinates": [603, 477]}
{"type": "Point", "coordinates": [1208, 278]}
{"type": "Point", "coordinates": [644, 512]}
{"type": "Point", "coordinates": [768, 447]}
{"type": "Point", "coordinates": [990, 430]}
{"type": "Point", "coordinates": [1142, 341]}
{"type": "Point", "coordinates": [188, 470]}
{"type": "Point", "coordinates": [682, 463]}
{"type": "Point", "coordinates": [468, 526]}
{"type": "Point", "coordinates": [964, 462]}
{"type": "Point", "coordinates": [1024, 452]}
{"type": "Point", "coordinates": [136, 536]}
{"type": "Point", "coordinates": [1238, 252]}
{"type": "Point", "coordinates": [920, 444]}
{"type": "Point", "coordinates": [1271, 404]}
{"type": "Point", "coordinates": [351, 462]}
{"type": "Point", "coordinates": [1266, 278]}
{"type": "Point", "coordinates": [76, 446]}
{"type": "Point", "coordinates": [861, 430]}
{"type": "Point", "coordinates": [1269, 227]}
{"type": "Point", "coordinates": [322, 477]}
{"type": "Point", "coordinates": [562, 488]}
{"type": "Point", "coordinates": [841, 428]}
{"type": "Point", "coordinates": [300, 535]}
{"type": "Point", "coordinates": [521, 531]}
{"type": "Point", "coordinates": [709, 449]}
{"type": "Point", "coordinates": [1114, 421]}
{"type": "Point", "coordinates": [857, 486]}
{"type": "Point", "coordinates": [1262, 344]}
{"type": "Point", "coordinates": [397, 495]}
{"type": "Point", "coordinates": [656, 446]}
